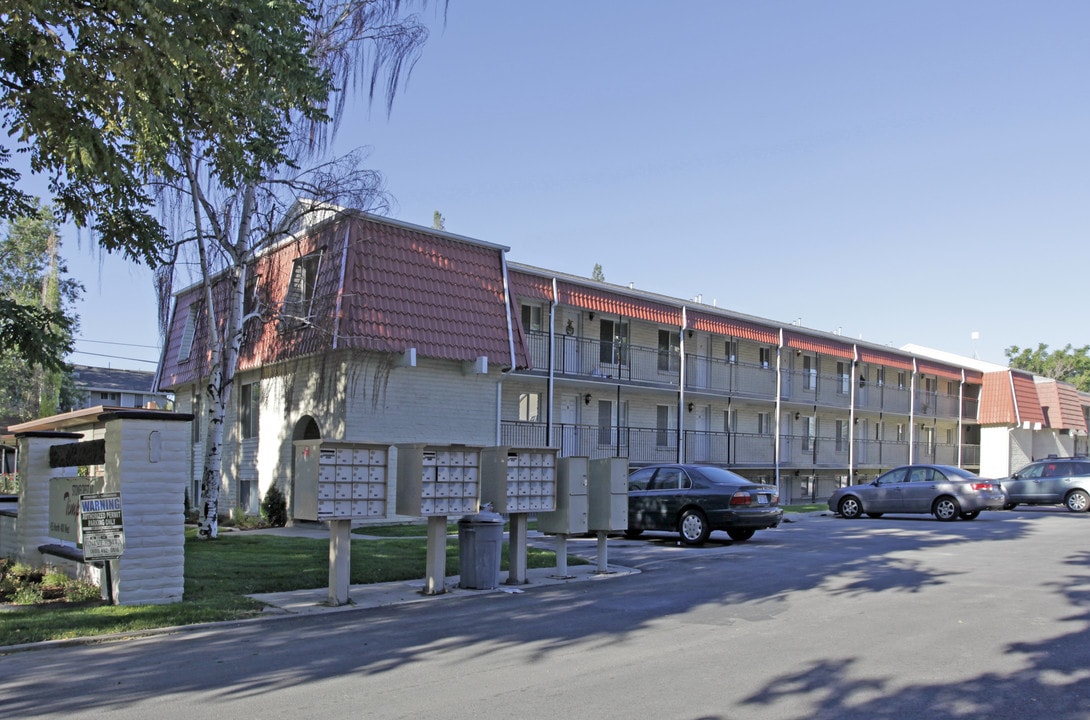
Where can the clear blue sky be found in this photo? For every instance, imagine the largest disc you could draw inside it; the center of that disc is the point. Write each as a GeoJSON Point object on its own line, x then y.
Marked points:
{"type": "Point", "coordinates": [905, 172]}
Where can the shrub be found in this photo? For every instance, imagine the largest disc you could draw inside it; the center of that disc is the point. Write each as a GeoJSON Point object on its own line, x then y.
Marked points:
{"type": "Point", "coordinates": [274, 508]}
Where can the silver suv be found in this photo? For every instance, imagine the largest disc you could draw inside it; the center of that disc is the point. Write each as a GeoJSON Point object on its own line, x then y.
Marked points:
{"type": "Point", "coordinates": [1050, 482]}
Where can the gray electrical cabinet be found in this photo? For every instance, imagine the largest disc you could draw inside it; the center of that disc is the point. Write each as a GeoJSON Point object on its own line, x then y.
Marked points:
{"type": "Point", "coordinates": [519, 480]}
{"type": "Point", "coordinates": [607, 492]}
{"type": "Point", "coordinates": [434, 480]}
{"type": "Point", "coordinates": [339, 481]}
{"type": "Point", "coordinates": [570, 516]}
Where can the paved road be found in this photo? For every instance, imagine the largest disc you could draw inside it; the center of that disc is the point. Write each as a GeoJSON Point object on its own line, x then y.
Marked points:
{"type": "Point", "coordinates": [825, 618]}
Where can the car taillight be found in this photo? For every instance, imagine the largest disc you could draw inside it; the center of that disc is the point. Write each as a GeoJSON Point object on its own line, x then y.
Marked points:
{"type": "Point", "coordinates": [741, 497]}
{"type": "Point", "coordinates": [981, 487]}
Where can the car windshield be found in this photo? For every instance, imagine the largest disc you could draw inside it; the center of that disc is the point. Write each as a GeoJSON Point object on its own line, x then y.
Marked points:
{"type": "Point", "coordinates": [721, 476]}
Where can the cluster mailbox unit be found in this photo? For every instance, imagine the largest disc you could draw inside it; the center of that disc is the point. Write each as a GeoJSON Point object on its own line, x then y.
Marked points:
{"type": "Point", "coordinates": [340, 481]}
{"type": "Point", "coordinates": [435, 481]}
{"type": "Point", "coordinates": [518, 480]}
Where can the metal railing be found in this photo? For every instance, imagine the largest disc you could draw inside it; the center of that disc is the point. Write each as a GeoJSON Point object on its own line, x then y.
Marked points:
{"type": "Point", "coordinates": [653, 445]}
{"type": "Point", "coordinates": [591, 359]}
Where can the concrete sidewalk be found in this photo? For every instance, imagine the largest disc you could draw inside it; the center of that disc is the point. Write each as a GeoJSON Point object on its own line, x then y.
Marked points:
{"type": "Point", "coordinates": [412, 591]}
{"type": "Point", "coordinates": [373, 595]}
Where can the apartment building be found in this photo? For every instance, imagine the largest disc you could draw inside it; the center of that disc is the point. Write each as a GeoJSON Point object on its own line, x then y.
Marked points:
{"type": "Point", "coordinates": [383, 332]}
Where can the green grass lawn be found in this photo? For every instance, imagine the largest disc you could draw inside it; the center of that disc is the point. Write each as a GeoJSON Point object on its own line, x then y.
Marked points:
{"type": "Point", "coordinates": [220, 573]}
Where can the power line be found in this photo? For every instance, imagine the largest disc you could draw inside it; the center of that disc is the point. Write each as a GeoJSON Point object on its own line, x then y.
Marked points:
{"type": "Point", "coordinates": [117, 357]}
{"type": "Point", "coordinates": [111, 342]}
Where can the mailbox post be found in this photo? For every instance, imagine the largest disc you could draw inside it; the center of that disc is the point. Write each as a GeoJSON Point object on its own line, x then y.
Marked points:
{"type": "Point", "coordinates": [570, 516]}
{"type": "Point", "coordinates": [607, 507]}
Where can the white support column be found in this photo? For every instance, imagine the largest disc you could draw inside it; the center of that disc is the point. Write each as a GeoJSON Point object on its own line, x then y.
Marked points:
{"type": "Point", "coordinates": [340, 561]}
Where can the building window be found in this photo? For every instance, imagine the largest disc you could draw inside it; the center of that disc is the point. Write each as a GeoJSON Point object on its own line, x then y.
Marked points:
{"type": "Point", "coordinates": [111, 398]}
{"type": "Point", "coordinates": [880, 376]}
{"type": "Point", "coordinates": [900, 432]}
{"type": "Point", "coordinates": [299, 299]}
{"type": "Point", "coordinates": [531, 318]}
{"type": "Point", "coordinates": [901, 380]}
{"type": "Point", "coordinates": [841, 435]}
{"type": "Point", "coordinates": [249, 399]}
{"type": "Point", "coordinates": [844, 377]}
{"type": "Point", "coordinates": [730, 421]}
{"type": "Point", "coordinates": [669, 350]}
{"type": "Point", "coordinates": [766, 357]}
{"type": "Point", "coordinates": [198, 416]}
{"type": "Point", "coordinates": [605, 422]}
{"type": "Point", "coordinates": [530, 407]}
{"type": "Point", "coordinates": [950, 436]}
{"type": "Point", "coordinates": [809, 372]}
{"type": "Point", "coordinates": [732, 351]}
{"type": "Point", "coordinates": [809, 425]}
{"type": "Point", "coordinates": [185, 347]}
{"type": "Point", "coordinates": [764, 423]}
{"type": "Point", "coordinates": [662, 425]}
{"type": "Point", "coordinates": [137, 400]}
{"type": "Point", "coordinates": [613, 338]}
{"type": "Point", "coordinates": [878, 431]}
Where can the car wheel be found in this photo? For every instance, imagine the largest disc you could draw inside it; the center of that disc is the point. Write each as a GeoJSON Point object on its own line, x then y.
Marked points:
{"type": "Point", "coordinates": [850, 508]}
{"type": "Point", "coordinates": [693, 527]}
{"type": "Point", "coordinates": [1077, 501]}
{"type": "Point", "coordinates": [1010, 506]}
{"type": "Point", "coordinates": [969, 515]}
{"type": "Point", "coordinates": [632, 533]}
{"type": "Point", "coordinates": [875, 515]}
{"type": "Point", "coordinates": [946, 508]}
{"type": "Point", "coordinates": [740, 534]}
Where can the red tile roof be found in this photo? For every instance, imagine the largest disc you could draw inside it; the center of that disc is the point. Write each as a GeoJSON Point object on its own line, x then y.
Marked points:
{"type": "Point", "coordinates": [381, 286]}
{"type": "Point", "coordinates": [1062, 406]}
{"type": "Point", "coordinates": [1009, 397]}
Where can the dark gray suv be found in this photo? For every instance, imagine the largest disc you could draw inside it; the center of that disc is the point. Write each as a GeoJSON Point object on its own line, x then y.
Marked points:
{"type": "Point", "coordinates": [1050, 482]}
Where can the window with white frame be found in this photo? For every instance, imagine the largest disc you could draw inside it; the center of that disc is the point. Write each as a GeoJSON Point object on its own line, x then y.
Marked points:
{"type": "Point", "coordinates": [530, 407]}
{"type": "Point", "coordinates": [844, 378]}
{"type": "Point", "coordinates": [532, 318]}
{"type": "Point", "coordinates": [809, 432]}
{"type": "Point", "coordinates": [669, 350]}
{"type": "Point", "coordinates": [880, 376]}
{"type": "Point", "coordinates": [662, 425]}
{"type": "Point", "coordinates": [185, 347]}
{"type": "Point", "coordinates": [841, 435]}
{"type": "Point", "coordinates": [613, 342]}
{"type": "Point", "coordinates": [900, 432]}
{"type": "Point", "coordinates": [901, 380]}
{"type": "Point", "coordinates": [249, 401]}
{"type": "Point", "coordinates": [764, 423]}
{"type": "Point", "coordinates": [198, 416]}
{"type": "Point", "coordinates": [730, 420]}
{"type": "Point", "coordinates": [731, 351]}
{"type": "Point", "coordinates": [809, 372]}
{"type": "Point", "coordinates": [299, 299]}
{"type": "Point", "coordinates": [765, 357]}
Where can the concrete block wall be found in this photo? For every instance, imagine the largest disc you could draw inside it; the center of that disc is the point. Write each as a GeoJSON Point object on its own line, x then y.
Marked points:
{"type": "Point", "coordinates": [148, 460]}
{"type": "Point", "coordinates": [32, 524]}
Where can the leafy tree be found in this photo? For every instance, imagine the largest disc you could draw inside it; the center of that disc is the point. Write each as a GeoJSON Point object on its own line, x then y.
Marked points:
{"type": "Point", "coordinates": [224, 212]}
{"type": "Point", "coordinates": [1070, 365]}
{"type": "Point", "coordinates": [34, 289]}
{"type": "Point", "coordinates": [438, 221]}
{"type": "Point", "coordinates": [99, 97]}
{"type": "Point", "coordinates": [597, 273]}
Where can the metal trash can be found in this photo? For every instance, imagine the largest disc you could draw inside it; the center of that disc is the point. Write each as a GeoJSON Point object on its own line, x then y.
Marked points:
{"type": "Point", "coordinates": [480, 545]}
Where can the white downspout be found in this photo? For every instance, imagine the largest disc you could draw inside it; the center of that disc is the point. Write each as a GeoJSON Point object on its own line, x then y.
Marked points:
{"type": "Point", "coordinates": [779, 411]}
{"type": "Point", "coordinates": [340, 288]}
{"type": "Point", "coordinates": [681, 389]}
{"type": "Point", "coordinates": [551, 383]}
{"type": "Point", "coordinates": [510, 346]}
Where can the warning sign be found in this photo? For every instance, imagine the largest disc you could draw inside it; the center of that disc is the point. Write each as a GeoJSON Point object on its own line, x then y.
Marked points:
{"type": "Point", "coordinates": [102, 526]}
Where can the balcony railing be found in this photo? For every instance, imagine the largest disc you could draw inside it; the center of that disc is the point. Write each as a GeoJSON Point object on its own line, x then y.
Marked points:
{"type": "Point", "coordinates": [587, 358]}
{"type": "Point", "coordinates": [644, 446]}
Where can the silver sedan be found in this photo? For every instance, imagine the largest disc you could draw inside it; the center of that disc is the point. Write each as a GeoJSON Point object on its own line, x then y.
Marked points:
{"type": "Point", "coordinates": [945, 491]}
